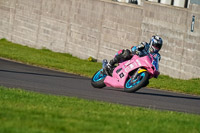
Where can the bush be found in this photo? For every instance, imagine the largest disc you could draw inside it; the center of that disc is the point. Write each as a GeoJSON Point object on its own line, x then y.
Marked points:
{"type": "Point", "coordinates": [91, 59]}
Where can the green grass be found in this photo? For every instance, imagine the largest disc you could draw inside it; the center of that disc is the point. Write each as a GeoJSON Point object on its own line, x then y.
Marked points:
{"type": "Point", "coordinates": [47, 58]}
{"type": "Point", "coordinates": [191, 86]}
{"type": "Point", "coordinates": [68, 63]}
{"type": "Point", "coordinates": [28, 112]}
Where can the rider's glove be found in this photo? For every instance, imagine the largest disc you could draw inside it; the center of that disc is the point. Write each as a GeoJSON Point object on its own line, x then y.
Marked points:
{"type": "Point", "coordinates": [137, 52]}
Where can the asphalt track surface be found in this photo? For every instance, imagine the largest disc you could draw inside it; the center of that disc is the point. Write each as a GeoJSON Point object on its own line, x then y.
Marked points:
{"type": "Point", "coordinates": [17, 75]}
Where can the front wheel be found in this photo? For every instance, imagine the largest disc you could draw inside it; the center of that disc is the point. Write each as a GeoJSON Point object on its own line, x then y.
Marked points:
{"type": "Point", "coordinates": [132, 85]}
{"type": "Point", "coordinates": [98, 79]}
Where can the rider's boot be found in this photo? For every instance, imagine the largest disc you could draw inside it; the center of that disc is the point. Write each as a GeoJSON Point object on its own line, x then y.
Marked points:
{"type": "Point", "coordinates": [109, 67]}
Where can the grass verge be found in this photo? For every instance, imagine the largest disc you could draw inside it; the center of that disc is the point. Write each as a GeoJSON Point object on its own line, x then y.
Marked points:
{"type": "Point", "coordinates": [68, 63]}
{"type": "Point", "coordinates": [28, 112]}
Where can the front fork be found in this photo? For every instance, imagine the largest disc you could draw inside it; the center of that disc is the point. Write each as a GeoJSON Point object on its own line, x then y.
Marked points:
{"type": "Point", "coordinates": [139, 70]}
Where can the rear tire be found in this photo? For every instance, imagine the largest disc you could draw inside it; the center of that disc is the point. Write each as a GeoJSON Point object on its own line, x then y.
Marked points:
{"type": "Point", "coordinates": [98, 79]}
{"type": "Point", "coordinates": [141, 80]}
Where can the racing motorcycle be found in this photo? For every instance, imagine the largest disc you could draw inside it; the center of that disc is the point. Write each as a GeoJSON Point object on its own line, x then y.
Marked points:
{"type": "Point", "coordinates": [130, 75]}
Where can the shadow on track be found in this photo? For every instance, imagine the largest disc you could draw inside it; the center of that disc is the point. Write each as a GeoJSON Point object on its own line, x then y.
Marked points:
{"type": "Point", "coordinates": [156, 94]}
{"type": "Point", "coordinates": [170, 96]}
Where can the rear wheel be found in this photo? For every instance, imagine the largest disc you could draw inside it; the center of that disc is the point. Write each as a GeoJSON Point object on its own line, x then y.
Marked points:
{"type": "Point", "coordinates": [132, 85]}
{"type": "Point", "coordinates": [98, 79]}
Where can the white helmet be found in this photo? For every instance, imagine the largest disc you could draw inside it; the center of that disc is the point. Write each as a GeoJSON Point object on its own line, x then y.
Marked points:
{"type": "Point", "coordinates": [156, 43]}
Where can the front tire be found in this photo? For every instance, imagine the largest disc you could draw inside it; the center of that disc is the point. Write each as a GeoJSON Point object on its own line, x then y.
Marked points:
{"type": "Point", "coordinates": [98, 79]}
{"type": "Point", "coordinates": [132, 85]}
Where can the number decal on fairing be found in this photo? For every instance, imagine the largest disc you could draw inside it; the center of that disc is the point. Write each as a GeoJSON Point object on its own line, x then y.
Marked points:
{"type": "Point", "coordinates": [128, 68]}
{"type": "Point", "coordinates": [121, 75]}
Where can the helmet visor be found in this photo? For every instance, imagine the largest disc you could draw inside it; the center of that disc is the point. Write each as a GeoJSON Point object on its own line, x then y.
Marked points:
{"type": "Point", "coordinates": [157, 45]}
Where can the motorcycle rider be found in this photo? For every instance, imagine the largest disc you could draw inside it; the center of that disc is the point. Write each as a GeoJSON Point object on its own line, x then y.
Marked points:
{"type": "Point", "coordinates": [153, 47]}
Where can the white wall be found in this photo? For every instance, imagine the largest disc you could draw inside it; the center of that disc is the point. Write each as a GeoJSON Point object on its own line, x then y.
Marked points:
{"type": "Point", "coordinates": [179, 3]}
{"type": "Point", "coordinates": [168, 2]}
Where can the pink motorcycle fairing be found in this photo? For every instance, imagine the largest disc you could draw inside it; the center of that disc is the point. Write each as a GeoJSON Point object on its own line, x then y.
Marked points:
{"type": "Point", "coordinates": [121, 72]}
